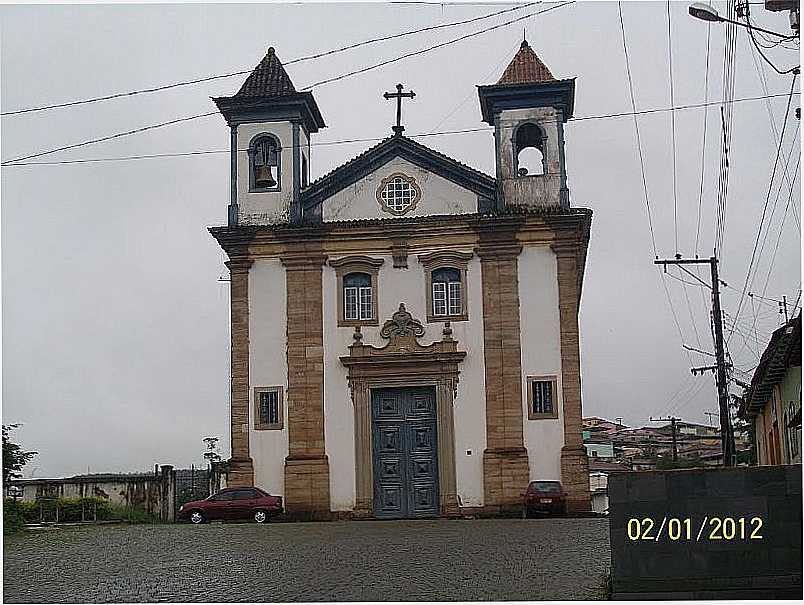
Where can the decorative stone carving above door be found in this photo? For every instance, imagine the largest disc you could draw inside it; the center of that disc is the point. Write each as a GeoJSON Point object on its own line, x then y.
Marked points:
{"type": "Point", "coordinates": [403, 361]}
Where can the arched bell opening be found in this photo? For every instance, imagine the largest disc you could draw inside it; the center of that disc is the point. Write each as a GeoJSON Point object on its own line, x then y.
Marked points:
{"type": "Point", "coordinates": [530, 150]}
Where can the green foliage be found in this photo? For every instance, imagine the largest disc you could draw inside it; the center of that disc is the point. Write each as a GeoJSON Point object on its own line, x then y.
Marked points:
{"type": "Point", "coordinates": [14, 458]}
{"type": "Point", "coordinates": [13, 520]}
{"type": "Point", "coordinates": [604, 590]}
{"type": "Point", "coordinates": [132, 514]}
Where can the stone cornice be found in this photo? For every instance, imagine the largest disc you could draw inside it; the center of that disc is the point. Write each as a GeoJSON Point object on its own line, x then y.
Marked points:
{"type": "Point", "coordinates": [239, 264]}
{"type": "Point", "coordinates": [303, 260]}
{"type": "Point", "coordinates": [441, 257]}
{"type": "Point", "coordinates": [356, 259]}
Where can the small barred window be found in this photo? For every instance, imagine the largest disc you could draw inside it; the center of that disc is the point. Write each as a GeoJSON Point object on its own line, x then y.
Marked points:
{"type": "Point", "coordinates": [268, 408]}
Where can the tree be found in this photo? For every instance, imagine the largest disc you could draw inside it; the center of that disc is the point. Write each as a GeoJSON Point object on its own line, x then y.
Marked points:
{"type": "Point", "coordinates": [14, 458]}
{"type": "Point", "coordinates": [212, 454]}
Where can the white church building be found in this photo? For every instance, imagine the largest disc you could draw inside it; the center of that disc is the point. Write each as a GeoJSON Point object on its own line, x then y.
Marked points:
{"type": "Point", "coordinates": [404, 328]}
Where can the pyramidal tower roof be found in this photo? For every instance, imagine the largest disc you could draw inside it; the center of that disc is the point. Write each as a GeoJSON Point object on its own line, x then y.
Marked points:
{"type": "Point", "coordinates": [269, 79]}
{"type": "Point", "coordinates": [526, 68]}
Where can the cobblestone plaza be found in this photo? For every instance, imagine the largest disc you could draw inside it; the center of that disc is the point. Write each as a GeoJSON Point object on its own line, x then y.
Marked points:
{"type": "Point", "coordinates": [445, 560]}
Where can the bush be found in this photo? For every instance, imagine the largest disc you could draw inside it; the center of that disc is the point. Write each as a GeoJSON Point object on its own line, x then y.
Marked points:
{"type": "Point", "coordinates": [70, 509]}
{"type": "Point", "coordinates": [132, 514]}
{"type": "Point", "coordinates": [13, 521]}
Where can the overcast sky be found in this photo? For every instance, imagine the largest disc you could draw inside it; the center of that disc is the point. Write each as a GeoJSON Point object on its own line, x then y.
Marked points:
{"type": "Point", "coordinates": [115, 326]}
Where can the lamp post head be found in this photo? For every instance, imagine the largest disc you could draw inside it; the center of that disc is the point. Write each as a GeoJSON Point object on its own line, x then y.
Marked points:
{"type": "Point", "coordinates": [704, 12]}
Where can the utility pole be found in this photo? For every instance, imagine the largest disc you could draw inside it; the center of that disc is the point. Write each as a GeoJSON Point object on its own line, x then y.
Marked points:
{"type": "Point", "coordinates": [672, 420]}
{"type": "Point", "coordinates": [726, 431]}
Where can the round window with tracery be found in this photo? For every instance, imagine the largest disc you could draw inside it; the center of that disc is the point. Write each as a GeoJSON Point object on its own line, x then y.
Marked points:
{"type": "Point", "coordinates": [398, 193]}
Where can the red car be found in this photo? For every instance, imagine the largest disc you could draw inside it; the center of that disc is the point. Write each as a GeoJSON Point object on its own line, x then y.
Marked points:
{"type": "Point", "coordinates": [544, 497]}
{"type": "Point", "coordinates": [233, 503]}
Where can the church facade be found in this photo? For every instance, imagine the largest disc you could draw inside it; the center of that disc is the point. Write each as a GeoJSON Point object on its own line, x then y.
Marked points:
{"type": "Point", "coordinates": [404, 329]}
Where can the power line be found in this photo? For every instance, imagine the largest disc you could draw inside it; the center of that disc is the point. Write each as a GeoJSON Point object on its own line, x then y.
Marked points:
{"type": "Point", "coordinates": [673, 130]}
{"type": "Point", "coordinates": [703, 138]}
{"type": "Point", "coordinates": [638, 138]}
{"type": "Point", "coordinates": [333, 79]}
{"type": "Point", "coordinates": [431, 48]}
{"type": "Point", "coordinates": [248, 71]}
{"type": "Point", "coordinates": [19, 161]}
{"type": "Point", "coordinates": [767, 200]}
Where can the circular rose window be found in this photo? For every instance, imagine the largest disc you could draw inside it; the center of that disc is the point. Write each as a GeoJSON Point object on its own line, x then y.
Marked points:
{"type": "Point", "coordinates": [398, 193]}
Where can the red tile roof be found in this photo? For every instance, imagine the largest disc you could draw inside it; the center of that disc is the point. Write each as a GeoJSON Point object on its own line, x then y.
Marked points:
{"type": "Point", "coordinates": [525, 68]}
{"type": "Point", "coordinates": [269, 79]}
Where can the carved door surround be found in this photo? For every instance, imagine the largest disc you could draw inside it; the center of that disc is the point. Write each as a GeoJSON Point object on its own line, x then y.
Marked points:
{"type": "Point", "coordinates": [404, 362]}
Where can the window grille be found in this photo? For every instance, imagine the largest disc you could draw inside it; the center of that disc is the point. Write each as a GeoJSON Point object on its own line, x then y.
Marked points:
{"type": "Point", "coordinates": [269, 407]}
{"type": "Point", "coordinates": [447, 298]}
{"type": "Point", "coordinates": [357, 296]}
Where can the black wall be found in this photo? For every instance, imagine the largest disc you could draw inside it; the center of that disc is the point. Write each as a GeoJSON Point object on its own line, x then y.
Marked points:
{"type": "Point", "coordinates": [706, 567]}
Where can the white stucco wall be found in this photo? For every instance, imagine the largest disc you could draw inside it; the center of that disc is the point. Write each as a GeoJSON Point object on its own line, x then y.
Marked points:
{"type": "Point", "coordinates": [267, 207]}
{"type": "Point", "coordinates": [268, 368]}
{"type": "Point", "coordinates": [439, 196]}
{"type": "Point", "coordinates": [407, 286]}
{"type": "Point", "coordinates": [541, 355]}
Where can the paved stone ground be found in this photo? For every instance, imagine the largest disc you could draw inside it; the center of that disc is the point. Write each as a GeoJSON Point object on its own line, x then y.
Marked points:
{"type": "Point", "coordinates": [446, 560]}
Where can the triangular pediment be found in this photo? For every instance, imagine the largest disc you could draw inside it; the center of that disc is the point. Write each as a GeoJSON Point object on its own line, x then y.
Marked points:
{"type": "Point", "coordinates": [390, 149]}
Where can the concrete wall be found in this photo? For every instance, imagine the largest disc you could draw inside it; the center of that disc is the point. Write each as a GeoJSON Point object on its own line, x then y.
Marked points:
{"type": "Point", "coordinates": [599, 450]}
{"type": "Point", "coordinates": [702, 566]}
{"type": "Point", "coordinates": [439, 196]}
{"type": "Point", "coordinates": [541, 356]}
{"type": "Point", "coordinates": [268, 368]}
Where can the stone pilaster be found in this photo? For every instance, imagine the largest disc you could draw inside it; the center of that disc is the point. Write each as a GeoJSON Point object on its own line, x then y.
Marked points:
{"type": "Point", "coordinates": [574, 462]}
{"type": "Point", "coordinates": [505, 460]}
{"type": "Point", "coordinates": [241, 465]}
{"type": "Point", "coordinates": [307, 465]}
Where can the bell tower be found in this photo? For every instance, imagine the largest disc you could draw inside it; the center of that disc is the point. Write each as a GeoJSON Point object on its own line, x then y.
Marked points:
{"type": "Point", "coordinates": [271, 123]}
{"type": "Point", "coordinates": [528, 108]}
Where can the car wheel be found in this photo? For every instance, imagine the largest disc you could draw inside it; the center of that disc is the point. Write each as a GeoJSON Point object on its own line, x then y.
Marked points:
{"type": "Point", "coordinates": [260, 516]}
{"type": "Point", "coordinates": [197, 517]}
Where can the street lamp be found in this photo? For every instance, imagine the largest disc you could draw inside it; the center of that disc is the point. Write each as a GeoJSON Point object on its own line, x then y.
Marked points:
{"type": "Point", "coordinates": [704, 12]}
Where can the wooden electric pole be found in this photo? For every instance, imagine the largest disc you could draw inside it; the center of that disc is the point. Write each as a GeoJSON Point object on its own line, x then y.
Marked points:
{"type": "Point", "coordinates": [672, 420]}
{"type": "Point", "coordinates": [726, 431]}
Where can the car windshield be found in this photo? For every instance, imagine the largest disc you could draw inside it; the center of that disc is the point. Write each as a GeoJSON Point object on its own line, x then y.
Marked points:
{"type": "Point", "coordinates": [545, 486]}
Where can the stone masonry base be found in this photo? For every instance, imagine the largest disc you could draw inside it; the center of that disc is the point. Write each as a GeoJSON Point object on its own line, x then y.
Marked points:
{"type": "Point", "coordinates": [575, 478]}
{"type": "Point", "coordinates": [505, 476]}
{"type": "Point", "coordinates": [241, 473]}
{"type": "Point", "coordinates": [307, 488]}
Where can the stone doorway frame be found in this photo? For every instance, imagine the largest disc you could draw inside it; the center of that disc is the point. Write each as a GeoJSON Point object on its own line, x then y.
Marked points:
{"type": "Point", "coordinates": [403, 362]}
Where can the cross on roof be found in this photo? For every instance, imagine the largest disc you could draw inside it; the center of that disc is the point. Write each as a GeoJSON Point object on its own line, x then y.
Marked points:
{"type": "Point", "coordinates": [399, 95]}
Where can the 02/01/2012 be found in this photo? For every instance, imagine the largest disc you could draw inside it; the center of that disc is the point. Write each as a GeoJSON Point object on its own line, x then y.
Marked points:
{"type": "Point", "coordinates": [685, 529]}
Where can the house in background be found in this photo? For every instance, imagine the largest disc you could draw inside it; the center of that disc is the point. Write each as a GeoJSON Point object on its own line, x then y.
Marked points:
{"type": "Point", "coordinates": [772, 403]}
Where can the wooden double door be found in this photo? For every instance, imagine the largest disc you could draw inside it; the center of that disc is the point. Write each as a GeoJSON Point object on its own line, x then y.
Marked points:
{"type": "Point", "coordinates": [405, 452]}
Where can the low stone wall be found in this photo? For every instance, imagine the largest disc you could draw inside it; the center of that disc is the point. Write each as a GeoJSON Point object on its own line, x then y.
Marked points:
{"type": "Point", "coordinates": [152, 492]}
{"type": "Point", "coordinates": [714, 533]}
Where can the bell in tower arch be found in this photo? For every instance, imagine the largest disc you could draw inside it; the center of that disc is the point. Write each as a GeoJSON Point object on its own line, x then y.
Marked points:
{"type": "Point", "coordinates": [263, 178]}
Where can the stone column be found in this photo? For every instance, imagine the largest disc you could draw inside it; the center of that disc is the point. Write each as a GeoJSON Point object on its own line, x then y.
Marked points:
{"type": "Point", "coordinates": [505, 461]}
{"type": "Point", "coordinates": [307, 465]}
{"type": "Point", "coordinates": [574, 462]}
{"type": "Point", "coordinates": [241, 464]}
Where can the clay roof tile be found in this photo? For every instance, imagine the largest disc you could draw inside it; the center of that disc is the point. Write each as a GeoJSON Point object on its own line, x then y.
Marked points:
{"type": "Point", "coordinates": [269, 79]}
{"type": "Point", "coordinates": [525, 68]}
